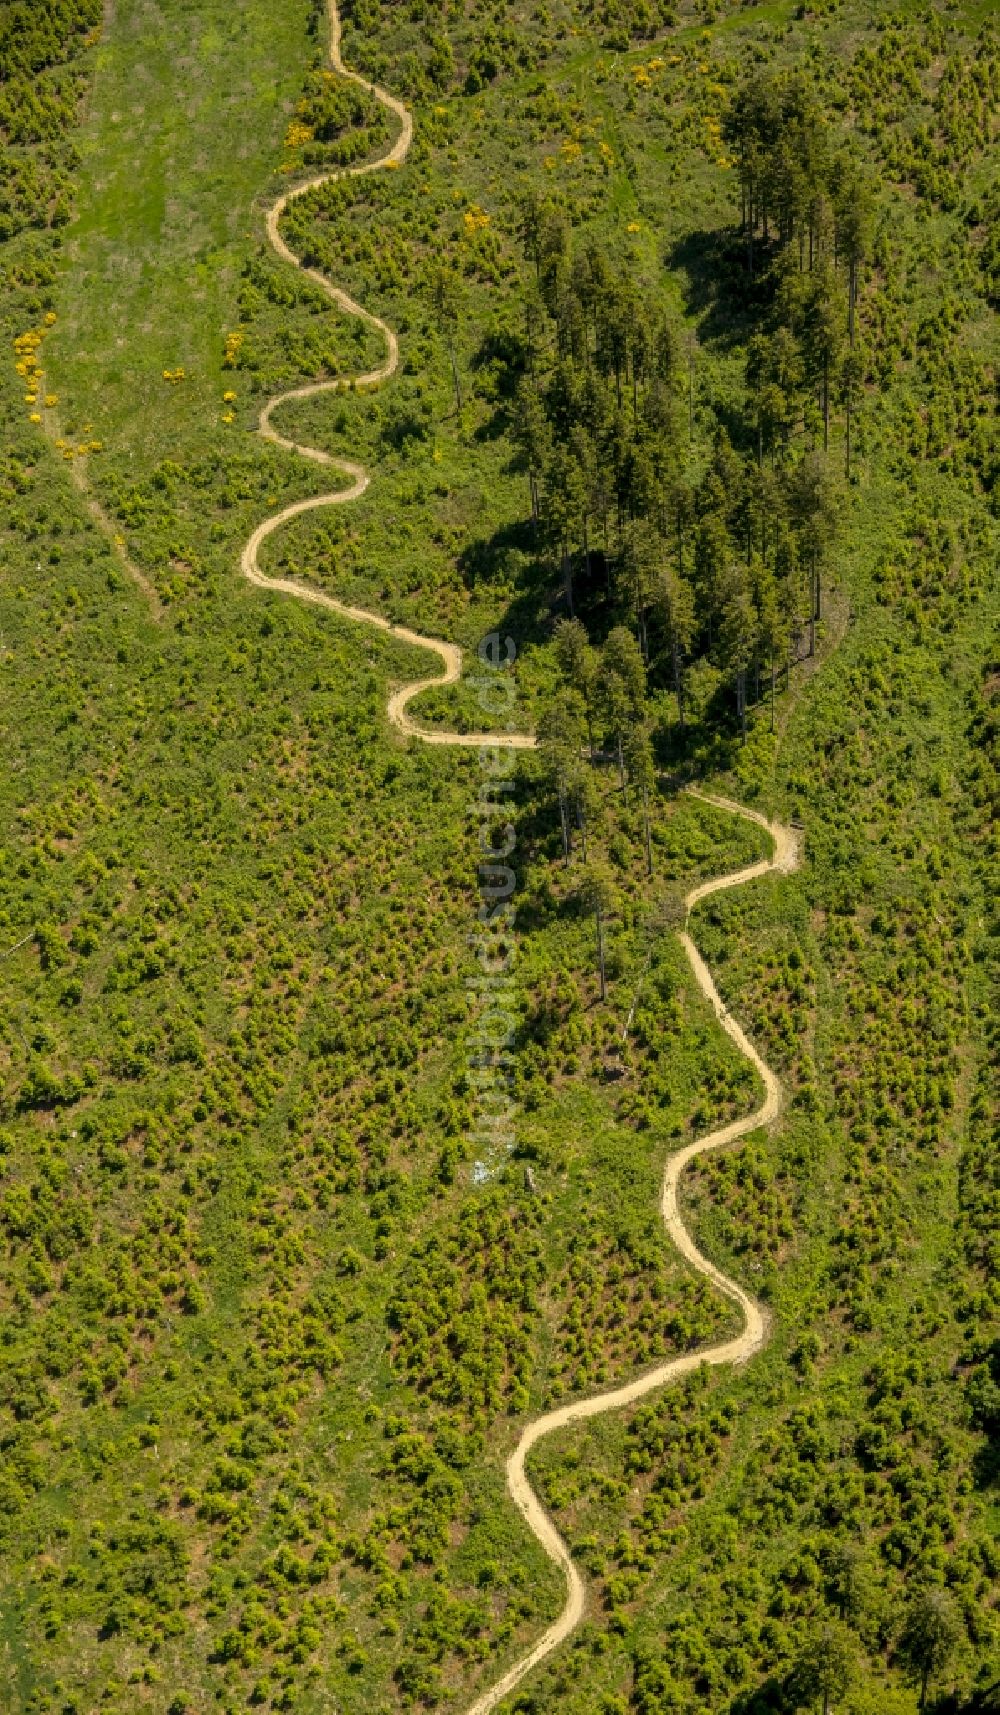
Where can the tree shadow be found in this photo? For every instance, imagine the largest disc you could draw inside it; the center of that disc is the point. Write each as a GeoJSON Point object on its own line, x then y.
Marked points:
{"type": "Point", "coordinates": [771, 1698]}
{"type": "Point", "coordinates": [986, 1465]}
{"type": "Point", "coordinates": [511, 556]}
{"type": "Point", "coordinates": [983, 1397]}
{"type": "Point", "coordinates": [504, 354]}
{"type": "Point", "coordinates": [489, 557]}
{"type": "Point", "coordinates": [719, 289]}
{"type": "Point", "coordinates": [498, 365]}
{"type": "Point", "coordinates": [494, 427]}
{"type": "Point", "coordinates": [984, 1700]}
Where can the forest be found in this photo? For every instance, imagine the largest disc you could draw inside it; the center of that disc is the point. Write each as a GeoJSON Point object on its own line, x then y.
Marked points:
{"type": "Point", "coordinates": [696, 306]}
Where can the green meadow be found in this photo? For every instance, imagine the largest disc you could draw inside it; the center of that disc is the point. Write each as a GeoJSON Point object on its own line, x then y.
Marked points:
{"type": "Point", "coordinates": [272, 1322]}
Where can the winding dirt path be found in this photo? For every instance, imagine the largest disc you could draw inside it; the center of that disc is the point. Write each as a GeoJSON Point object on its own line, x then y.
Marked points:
{"type": "Point", "coordinates": [449, 653]}
{"type": "Point", "coordinates": [784, 858]}
{"type": "Point", "coordinates": [735, 1351]}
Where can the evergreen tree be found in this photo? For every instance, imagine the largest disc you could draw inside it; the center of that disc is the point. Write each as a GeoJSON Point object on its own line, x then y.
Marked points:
{"type": "Point", "coordinates": [596, 893]}
{"type": "Point", "coordinates": [642, 773]}
{"type": "Point", "coordinates": [772, 629]}
{"type": "Point", "coordinates": [560, 741]}
{"type": "Point", "coordinates": [446, 301]}
{"type": "Point", "coordinates": [674, 603]}
{"type": "Point", "coordinates": [811, 507]}
{"type": "Point", "coordinates": [622, 688]}
{"type": "Point", "coordinates": [823, 338]}
{"type": "Point", "coordinates": [853, 213]}
{"type": "Point", "coordinates": [738, 638]}
{"type": "Point", "coordinates": [824, 1667]}
{"type": "Point", "coordinates": [533, 438]}
{"type": "Point", "coordinates": [928, 1636]}
{"type": "Point", "coordinates": [578, 664]}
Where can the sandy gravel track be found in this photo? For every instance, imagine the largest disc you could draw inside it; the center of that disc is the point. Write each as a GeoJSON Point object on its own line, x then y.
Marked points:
{"type": "Point", "coordinates": [449, 653]}
{"type": "Point", "coordinates": [735, 1351]}
{"type": "Point", "coordinates": [784, 858]}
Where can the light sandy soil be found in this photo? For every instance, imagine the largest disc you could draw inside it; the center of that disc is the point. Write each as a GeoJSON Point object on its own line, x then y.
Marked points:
{"type": "Point", "coordinates": [449, 653]}
{"type": "Point", "coordinates": [735, 1351]}
{"type": "Point", "coordinates": [751, 1338]}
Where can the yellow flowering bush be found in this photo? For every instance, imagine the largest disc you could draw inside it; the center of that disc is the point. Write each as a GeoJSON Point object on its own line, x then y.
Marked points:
{"type": "Point", "coordinates": [298, 134]}
{"type": "Point", "coordinates": [234, 346]}
{"type": "Point", "coordinates": [475, 220]}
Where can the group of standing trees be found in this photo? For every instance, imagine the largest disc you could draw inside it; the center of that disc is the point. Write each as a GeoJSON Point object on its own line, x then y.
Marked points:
{"type": "Point", "coordinates": [699, 553]}
{"type": "Point", "coordinates": [602, 691]}
{"type": "Point", "coordinates": [827, 1665]}
{"type": "Point", "coordinates": [689, 562]}
{"type": "Point", "coordinates": [727, 567]}
{"type": "Point", "coordinates": [806, 217]}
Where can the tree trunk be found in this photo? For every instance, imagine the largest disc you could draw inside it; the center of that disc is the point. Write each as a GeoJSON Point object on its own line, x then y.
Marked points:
{"type": "Point", "coordinates": [600, 954]}
{"type": "Point", "coordinates": [564, 824]}
{"type": "Point", "coordinates": [826, 403]}
{"type": "Point", "coordinates": [582, 824]}
{"type": "Point", "coordinates": [649, 837]}
{"type": "Point", "coordinates": [678, 681]}
{"type": "Point", "coordinates": [773, 675]}
{"type": "Point", "coordinates": [621, 767]}
{"type": "Point", "coordinates": [852, 293]}
{"type": "Point", "coordinates": [454, 371]}
{"type": "Point", "coordinates": [568, 580]}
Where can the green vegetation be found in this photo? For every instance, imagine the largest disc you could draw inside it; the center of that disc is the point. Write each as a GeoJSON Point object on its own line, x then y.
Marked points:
{"type": "Point", "coordinates": [697, 399]}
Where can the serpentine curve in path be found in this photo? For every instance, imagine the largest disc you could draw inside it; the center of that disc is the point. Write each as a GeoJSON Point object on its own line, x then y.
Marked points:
{"type": "Point", "coordinates": [784, 858]}
{"type": "Point", "coordinates": [735, 1351]}
{"type": "Point", "coordinates": [450, 654]}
